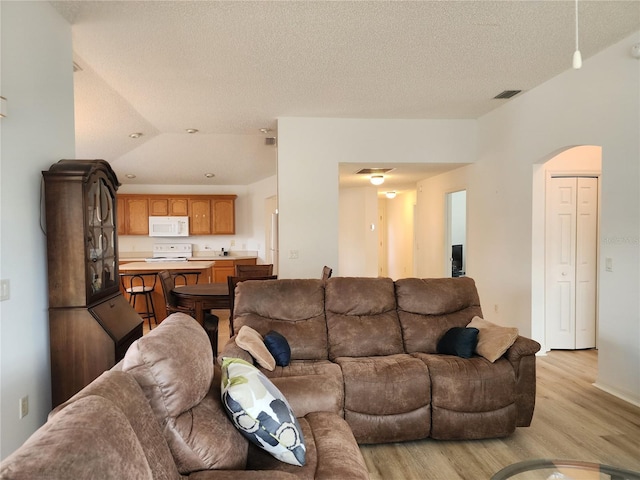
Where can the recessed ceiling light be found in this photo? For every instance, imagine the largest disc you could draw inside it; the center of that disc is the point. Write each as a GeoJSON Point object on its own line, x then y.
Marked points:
{"type": "Point", "coordinates": [135, 135]}
{"type": "Point", "coordinates": [192, 130]}
{"type": "Point", "coordinates": [130, 175]}
{"type": "Point", "coordinates": [209, 175]}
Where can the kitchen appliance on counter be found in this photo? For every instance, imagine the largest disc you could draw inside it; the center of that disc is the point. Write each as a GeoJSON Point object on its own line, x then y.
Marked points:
{"type": "Point", "coordinates": [168, 226]}
{"type": "Point", "coordinates": [171, 252]}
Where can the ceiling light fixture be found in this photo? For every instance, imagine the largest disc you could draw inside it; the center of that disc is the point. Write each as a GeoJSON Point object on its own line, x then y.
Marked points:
{"type": "Point", "coordinates": [390, 194]}
{"type": "Point", "coordinates": [135, 135]}
{"type": "Point", "coordinates": [209, 175]}
{"type": "Point", "coordinates": [130, 175]}
{"type": "Point", "coordinates": [577, 56]}
{"type": "Point", "coordinates": [191, 130]}
{"type": "Point", "coordinates": [376, 179]}
{"type": "Point", "coordinates": [265, 130]}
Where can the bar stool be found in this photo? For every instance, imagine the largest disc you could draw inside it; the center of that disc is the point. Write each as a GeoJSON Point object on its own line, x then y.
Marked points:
{"type": "Point", "coordinates": [141, 284]}
{"type": "Point", "coordinates": [184, 276]}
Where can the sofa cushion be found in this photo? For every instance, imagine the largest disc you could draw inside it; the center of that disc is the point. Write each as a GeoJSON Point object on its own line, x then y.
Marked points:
{"type": "Point", "coordinates": [361, 317]}
{"type": "Point", "coordinates": [332, 452]}
{"type": "Point", "coordinates": [470, 397]}
{"type": "Point", "coordinates": [493, 340]}
{"type": "Point", "coordinates": [428, 307]}
{"type": "Point", "coordinates": [123, 391]}
{"type": "Point", "coordinates": [294, 308]}
{"type": "Point", "coordinates": [174, 366]}
{"type": "Point", "coordinates": [459, 341]}
{"type": "Point", "coordinates": [386, 398]}
{"type": "Point", "coordinates": [278, 347]}
{"type": "Point", "coordinates": [260, 411]}
{"type": "Point", "coordinates": [251, 341]}
{"type": "Point", "coordinates": [310, 386]}
{"type": "Point", "coordinates": [89, 437]}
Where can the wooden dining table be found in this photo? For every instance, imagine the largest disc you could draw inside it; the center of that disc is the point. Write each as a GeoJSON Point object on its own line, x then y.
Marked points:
{"type": "Point", "coordinates": [202, 297]}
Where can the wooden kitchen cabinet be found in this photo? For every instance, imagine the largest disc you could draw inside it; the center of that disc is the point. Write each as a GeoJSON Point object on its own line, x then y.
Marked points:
{"type": "Point", "coordinates": [179, 206]}
{"type": "Point", "coordinates": [136, 215]}
{"type": "Point", "coordinates": [200, 216]}
{"type": "Point", "coordinates": [91, 324]}
{"type": "Point", "coordinates": [208, 214]}
{"type": "Point", "coordinates": [158, 207]}
{"type": "Point", "coordinates": [224, 221]}
{"type": "Point", "coordinates": [227, 268]}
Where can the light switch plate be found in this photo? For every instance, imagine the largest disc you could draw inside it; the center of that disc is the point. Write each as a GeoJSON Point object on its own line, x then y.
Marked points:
{"type": "Point", "coordinates": [5, 290]}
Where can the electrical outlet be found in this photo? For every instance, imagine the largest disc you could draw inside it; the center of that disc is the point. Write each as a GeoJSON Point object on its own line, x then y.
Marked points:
{"type": "Point", "coordinates": [293, 254]}
{"type": "Point", "coordinates": [233, 243]}
{"type": "Point", "coordinates": [23, 409]}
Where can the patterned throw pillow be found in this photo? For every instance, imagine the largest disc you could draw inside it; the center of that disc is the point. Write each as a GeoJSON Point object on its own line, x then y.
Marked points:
{"type": "Point", "coordinates": [260, 412]}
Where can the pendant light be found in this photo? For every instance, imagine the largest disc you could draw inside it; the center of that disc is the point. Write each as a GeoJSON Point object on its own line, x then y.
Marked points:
{"type": "Point", "coordinates": [577, 56]}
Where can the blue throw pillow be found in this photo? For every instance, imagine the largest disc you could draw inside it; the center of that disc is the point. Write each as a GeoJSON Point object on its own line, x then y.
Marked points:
{"type": "Point", "coordinates": [459, 341]}
{"type": "Point", "coordinates": [278, 347]}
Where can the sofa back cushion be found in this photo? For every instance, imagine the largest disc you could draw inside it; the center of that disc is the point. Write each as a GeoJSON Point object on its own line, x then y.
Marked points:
{"type": "Point", "coordinates": [89, 438]}
{"type": "Point", "coordinates": [122, 390]}
{"type": "Point", "coordinates": [174, 366]}
{"type": "Point", "coordinates": [361, 317]}
{"type": "Point", "coordinates": [428, 307]}
{"type": "Point", "coordinates": [293, 308]}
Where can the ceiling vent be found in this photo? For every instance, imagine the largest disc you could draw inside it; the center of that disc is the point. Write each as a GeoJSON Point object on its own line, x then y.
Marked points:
{"type": "Point", "coordinates": [507, 94]}
{"type": "Point", "coordinates": [270, 141]}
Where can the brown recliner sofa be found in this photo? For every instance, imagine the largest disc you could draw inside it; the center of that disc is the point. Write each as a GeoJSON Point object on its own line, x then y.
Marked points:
{"type": "Point", "coordinates": [366, 349]}
{"type": "Point", "coordinates": [158, 415]}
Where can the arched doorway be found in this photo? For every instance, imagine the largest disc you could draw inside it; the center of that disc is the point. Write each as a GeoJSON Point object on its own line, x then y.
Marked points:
{"type": "Point", "coordinates": [577, 161]}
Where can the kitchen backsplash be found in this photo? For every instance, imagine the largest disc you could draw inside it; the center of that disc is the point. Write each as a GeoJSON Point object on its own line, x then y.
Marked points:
{"type": "Point", "coordinates": [131, 246]}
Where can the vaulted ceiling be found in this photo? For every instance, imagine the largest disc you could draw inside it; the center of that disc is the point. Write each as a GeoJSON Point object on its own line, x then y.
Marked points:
{"type": "Point", "coordinates": [231, 68]}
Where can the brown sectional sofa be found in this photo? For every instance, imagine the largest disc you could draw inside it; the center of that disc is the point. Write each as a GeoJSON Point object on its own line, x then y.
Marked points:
{"type": "Point", "coordinates": [366, 349]}
{"type": "Point", "coordinates": [158, 415]}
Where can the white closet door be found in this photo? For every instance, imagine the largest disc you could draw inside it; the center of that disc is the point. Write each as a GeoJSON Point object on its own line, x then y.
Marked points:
{"type": "Point", "coordinates": [571, 239]}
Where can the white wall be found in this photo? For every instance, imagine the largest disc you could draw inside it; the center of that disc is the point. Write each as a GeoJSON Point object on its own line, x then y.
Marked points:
{"type": "Point", "coordinates": [597, 105]}
{"type": "Point", "coordinates": [358, 242]}
{"type": "Point", "coordinates": [37, 81]}
{"type": "Point", "coordinates": [249, 208]}
{"type": "Point", "coordinates": [400, 234]}
{"type": "Point", "coordinates": [309, 151]}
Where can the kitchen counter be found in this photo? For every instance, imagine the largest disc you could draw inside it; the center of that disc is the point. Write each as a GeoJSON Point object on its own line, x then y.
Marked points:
{"type": "Point", "coordinates": [155, 267]}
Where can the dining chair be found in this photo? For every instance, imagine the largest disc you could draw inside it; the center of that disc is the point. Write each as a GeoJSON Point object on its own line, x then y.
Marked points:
{"type": "Point", "coordinates": [326, 272]}
{"type": "Point", "coordinates": [210, 321]}
{"type": "Point", "coordinates": [232, 282]}
{"type": "Point", "coordinates": [254, 270]}
{"type": "Point", "coordinates": [141, 284]}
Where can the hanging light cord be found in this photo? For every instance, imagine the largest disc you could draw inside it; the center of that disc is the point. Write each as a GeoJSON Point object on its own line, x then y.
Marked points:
{"type": "Point", "coordinates": [577, 56]}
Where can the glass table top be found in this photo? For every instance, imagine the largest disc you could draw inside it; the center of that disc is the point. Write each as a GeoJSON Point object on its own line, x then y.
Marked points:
{"type": "Point", "coordinates": [545, 469]}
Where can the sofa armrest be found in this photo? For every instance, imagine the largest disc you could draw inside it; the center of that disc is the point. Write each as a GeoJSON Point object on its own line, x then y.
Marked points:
{"type": "Point", "coordinates": [241, 475]}
{"type": "Point", "coordinates": [522, 347]}
{"type": "Point", "coordinates": [232, 350]}
{"type": "Point", "coordinates": [521, 356]}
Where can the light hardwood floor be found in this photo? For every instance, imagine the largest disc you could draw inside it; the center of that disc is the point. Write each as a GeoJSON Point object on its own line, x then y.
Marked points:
{"type": "Point", "coordinates": [573, 420]}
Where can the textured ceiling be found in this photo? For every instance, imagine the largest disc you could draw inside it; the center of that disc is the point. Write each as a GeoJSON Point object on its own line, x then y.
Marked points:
{"type": "Point", "coordinates": [231, 68]}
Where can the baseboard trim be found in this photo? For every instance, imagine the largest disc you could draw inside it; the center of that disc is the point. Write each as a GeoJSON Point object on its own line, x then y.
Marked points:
{"type": "Point", "coordinates": [617, 393]}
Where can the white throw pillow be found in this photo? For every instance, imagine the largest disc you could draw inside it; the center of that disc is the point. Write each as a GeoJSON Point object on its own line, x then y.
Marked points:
{"type": "Point", "coordinates": [260, 411]}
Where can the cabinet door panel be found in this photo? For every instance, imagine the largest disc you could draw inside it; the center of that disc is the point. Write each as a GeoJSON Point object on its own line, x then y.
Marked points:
{"type": "Point", "coordinates": [223, 217]}
{"type": "Point", "coordinates": [199, 216]}
{"type": "Point", "coordinates": [137, 216]}
{"type": "Point", "coordinates": [179, 207]}
{"type": "Point", "coordinates": [159, 207]}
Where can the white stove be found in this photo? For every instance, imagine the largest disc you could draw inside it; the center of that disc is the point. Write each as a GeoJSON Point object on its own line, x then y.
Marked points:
{"type": "Point", "coordinates": [171, 252]}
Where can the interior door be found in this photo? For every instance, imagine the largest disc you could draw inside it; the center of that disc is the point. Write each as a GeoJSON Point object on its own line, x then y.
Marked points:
{"type": "Point", "coordinates": [571, 240]}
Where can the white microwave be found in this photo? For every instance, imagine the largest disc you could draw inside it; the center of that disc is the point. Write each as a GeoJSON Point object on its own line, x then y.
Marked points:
{"type": "Point", "coordinates": [168, 226]}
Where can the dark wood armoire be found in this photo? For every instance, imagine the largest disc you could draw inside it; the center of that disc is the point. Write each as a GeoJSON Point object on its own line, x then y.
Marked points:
{"type": "Point", "coordinates": [91, 324]}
